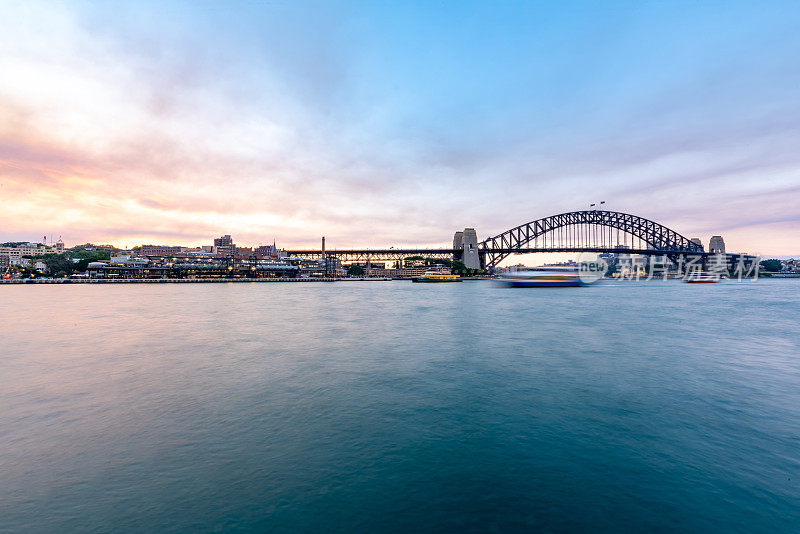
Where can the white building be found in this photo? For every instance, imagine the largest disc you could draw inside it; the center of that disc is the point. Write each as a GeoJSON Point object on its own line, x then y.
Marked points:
{"type": "Point", "coordinates": [16, 253]}
{"type": "Point", "coordinates": [631, 263]}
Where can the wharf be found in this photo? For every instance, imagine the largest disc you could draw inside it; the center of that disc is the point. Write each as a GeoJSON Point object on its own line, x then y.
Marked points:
{"type": "Point", "coordinates": [366, 279]}
{"type": "Point", "coordinates": [157, 280]}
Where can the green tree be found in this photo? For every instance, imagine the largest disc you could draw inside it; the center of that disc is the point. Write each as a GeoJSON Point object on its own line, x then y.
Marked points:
{"type": "Point", "coordinates": [459, 268]}
{"type": "Point", "coordinates": [772, 266]}
{"type": "Point", "coordinates": [59, 263]}
{"type": "Point", "coordinates": [355, 270]}
{"type": "Point", "coordinates": [92, 255]}
{"type": "Point", "coordinates": [28, 272]}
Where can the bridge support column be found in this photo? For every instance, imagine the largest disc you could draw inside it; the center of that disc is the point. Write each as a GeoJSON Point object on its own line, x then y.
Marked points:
{"type": "Point", "coordinates": [458, 246]}
{"type": "Point", "coordinates": [467, 243]}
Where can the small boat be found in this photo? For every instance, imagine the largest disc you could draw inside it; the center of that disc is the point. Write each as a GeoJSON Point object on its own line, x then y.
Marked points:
{"type": "Point", "coordinates": [436, 276]}
{"type": "Point", "coordinates": [544, 277]}
{"type": "Point", "coordinates": [701, 277]}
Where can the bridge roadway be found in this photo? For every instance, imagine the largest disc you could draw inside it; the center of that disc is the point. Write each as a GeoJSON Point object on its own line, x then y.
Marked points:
{"type": "Point", "coordinates": [401, 253]}
{"type": "Point", "coordinates": [376, 254]}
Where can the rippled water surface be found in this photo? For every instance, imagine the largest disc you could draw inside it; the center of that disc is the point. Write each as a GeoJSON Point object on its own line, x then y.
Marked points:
{"type": "Point", "coordinates": [390, 406]}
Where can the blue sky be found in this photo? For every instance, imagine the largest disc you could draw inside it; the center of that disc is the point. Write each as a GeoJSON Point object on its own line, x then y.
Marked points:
{"type": "Point", "coordinates": [382, 123]}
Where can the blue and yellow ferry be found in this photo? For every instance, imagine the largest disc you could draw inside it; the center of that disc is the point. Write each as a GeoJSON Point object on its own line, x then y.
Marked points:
{"type": "Point", "coordinates": [436, 276]}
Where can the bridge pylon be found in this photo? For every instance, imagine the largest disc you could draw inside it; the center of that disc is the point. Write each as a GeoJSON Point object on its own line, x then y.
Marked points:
{"type": "Point", "coordinates": [465, 246]}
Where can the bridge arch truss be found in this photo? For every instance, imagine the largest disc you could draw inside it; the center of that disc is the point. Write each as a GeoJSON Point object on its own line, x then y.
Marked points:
{"type": "Point", "coordinates": [589, 230]}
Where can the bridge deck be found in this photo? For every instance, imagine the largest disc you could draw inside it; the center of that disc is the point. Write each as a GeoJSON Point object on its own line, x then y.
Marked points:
{"type": "Point", "coordinates": [395, 252]}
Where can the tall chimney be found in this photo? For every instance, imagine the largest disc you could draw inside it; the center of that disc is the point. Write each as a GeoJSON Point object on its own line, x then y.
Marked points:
{"type": "Point", "coordinates": [323, 246]}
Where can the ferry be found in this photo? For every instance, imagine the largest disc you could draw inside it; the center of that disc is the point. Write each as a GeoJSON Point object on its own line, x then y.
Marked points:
{"type": "Point", "coordinates": [436, 276]}
{"type": "Point", "coordinates": [544, 277]}
{"type": "Point", "coordinates": [701, 277]}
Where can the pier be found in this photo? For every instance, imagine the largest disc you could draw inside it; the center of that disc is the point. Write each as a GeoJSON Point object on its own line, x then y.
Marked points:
{"type": "Point", "coordinates": [28, 281]}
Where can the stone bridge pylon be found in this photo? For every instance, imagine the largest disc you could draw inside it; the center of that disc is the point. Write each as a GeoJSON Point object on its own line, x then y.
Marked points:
{"type": "Point", "coordinates": [465, 246]}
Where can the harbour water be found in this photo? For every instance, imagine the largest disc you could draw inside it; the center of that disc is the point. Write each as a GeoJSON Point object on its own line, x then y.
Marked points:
{"type": "Point", "coordinates": [399, 407]}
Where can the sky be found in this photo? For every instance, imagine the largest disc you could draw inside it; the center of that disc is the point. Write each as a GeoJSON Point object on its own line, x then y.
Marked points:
{"type": "Point", "coordinates": [396, 123]}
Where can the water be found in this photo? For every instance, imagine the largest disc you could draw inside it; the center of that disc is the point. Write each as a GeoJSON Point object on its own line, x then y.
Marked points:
{"type": "Point", "coordinates": [398, 407]}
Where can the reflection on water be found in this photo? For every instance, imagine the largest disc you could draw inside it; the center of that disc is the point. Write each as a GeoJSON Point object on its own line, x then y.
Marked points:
{"type": "Point", "coordinates": [400, 407]}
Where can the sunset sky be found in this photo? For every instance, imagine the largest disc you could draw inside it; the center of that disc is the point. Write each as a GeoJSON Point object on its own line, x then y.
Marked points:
{"type": "Point", "coordinates": [391, 123]}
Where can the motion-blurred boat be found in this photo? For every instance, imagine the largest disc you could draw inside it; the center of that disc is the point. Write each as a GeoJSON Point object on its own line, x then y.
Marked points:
{"type": "Point", "coordinates": [701, 277]}
{"type": "Point", "coordinates": [544, 277]}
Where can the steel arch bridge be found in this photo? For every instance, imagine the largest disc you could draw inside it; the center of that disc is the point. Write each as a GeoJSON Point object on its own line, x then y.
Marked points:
{"type": "Point", "coordinates": [586, 231]}
{"type": "Point", "coordinates": [577, 231]}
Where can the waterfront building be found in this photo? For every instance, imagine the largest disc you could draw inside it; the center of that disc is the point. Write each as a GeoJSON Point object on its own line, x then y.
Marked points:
{"type": "Point", "coordinates": [332, 265]}
{"type": "Point", "coordinates": [405, 273]}
{"type": "Point", "coordinates": [629, 264]}
{"type": "Point", "coordinates": [158, 250]}
{"type": "Point", "coordinates": [197, 252]}
{"type": "Point", "coordinates": [409, 263]}
{"type": "Point", "coordinates": [11, 254]}
{"type": "Point", "coordinates": [199, 267]}
{"type": "Point", "coordinates": [15, 252]}
{"type": "Point", "coordinates": [270, 251]}
{"type": "Point", "coordinates": [411, 273]}
{"type": "Point", "coordinates": [513, 268]}
{"type": "Point", "coordinates": [244, 252]}
{"type": "Point", "coordinates": [224, 246]}
{"type": "Point", "coordinates": [369, 265]}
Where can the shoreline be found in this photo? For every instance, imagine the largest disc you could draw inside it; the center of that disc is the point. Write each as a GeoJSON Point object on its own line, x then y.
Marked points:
{"type": "Point", "coordinates": [160, 280]}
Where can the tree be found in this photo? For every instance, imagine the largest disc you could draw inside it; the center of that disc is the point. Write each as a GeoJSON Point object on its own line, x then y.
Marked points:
{"type": "Point", "coordinates": [355, 270]}
{"type": "Point", "coordinates": [28, 272]}
{"type": "Point", "coordinates": [459, 268]}
{"type": "Point", "coordinates": [59, 263]}
{"type": "Point", "coordinates": [92, 255]}
{"type": "Point", "coordinates": [772, 266]}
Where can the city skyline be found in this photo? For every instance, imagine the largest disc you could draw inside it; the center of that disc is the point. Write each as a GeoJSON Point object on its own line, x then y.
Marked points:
{"type": "Point", "coordinates": [293, 121]}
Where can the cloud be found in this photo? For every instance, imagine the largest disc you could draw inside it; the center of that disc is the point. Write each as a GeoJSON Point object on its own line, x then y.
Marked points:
{"type": "Point", "coordinates": [304, 122]}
